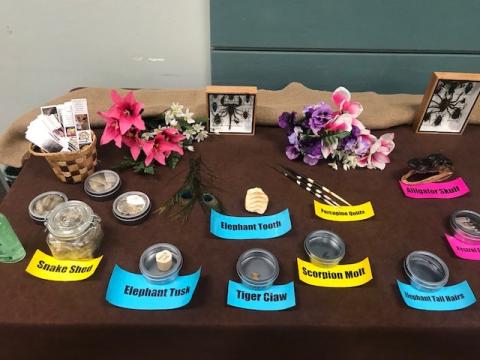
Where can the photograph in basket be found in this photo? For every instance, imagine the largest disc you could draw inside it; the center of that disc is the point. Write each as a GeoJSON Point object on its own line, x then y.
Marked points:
{"type": "Point", "coordinates": [63, 127]}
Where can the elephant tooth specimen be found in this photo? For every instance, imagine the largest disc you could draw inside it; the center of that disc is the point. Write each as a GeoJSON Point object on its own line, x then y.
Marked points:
{"type": "Point", "coordinates": [256, 201]}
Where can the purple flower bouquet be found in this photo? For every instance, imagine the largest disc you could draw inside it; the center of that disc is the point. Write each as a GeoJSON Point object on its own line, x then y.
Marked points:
{"type": "Point", "coordinates": [337, 136]}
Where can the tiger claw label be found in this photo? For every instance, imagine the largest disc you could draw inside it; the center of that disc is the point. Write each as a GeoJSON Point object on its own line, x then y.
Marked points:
{"type": "Point", "coordinates": [344, 213]}
{"type": "Point", "coordinates": [133, 291]}
{"type": "Point", "coordinates": [46, 267]}
{"type": "Point", "coordinates": [276, 297]}
{"type": "Point", "coordinates": [444, 190]}
{"type": "Point", "coordinates": [349, 275]}
{"type": "Point", "coordinates": [454, 297]}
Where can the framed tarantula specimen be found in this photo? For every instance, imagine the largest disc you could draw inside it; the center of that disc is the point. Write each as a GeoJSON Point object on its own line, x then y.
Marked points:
{"type": "Point", "coordinates": [231, 109]}
{"type": "Point", "coordinates": [447, 103]}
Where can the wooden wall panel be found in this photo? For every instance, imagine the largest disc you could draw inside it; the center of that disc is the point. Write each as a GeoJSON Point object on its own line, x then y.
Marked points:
{"type": "Point", "coordinates": [383, 46]}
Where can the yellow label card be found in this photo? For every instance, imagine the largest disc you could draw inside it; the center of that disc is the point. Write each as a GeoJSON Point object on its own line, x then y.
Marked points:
{"type": "Point", "coordinates": [337, 276]}
{"type": "Point", "coordinates": [47, 267]}
{"type": "Point", "coordinates": [344, 213]}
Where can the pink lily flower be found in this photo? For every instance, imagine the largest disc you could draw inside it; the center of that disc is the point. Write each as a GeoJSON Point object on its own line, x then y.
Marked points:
{"type": "Point", "coordinates": [132, 139]}
{"type": "Point", "coordinates": [111, 131]}
{"type": "Point", "coordinates": [339, 123]}
{"type": "Point", "coordinates": [127, 110]}
{"type": "Point", "coordinates": [377, 157]}
{"type": "Point", "coordinates": [341, 97]}
{"type": "Point", "coordinates": [363, 130]}
{"type": "Point", "coordinates": [162, 145]}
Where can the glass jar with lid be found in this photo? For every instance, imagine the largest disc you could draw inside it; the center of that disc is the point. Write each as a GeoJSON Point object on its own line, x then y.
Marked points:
{"type": "Point", "coordinates": [74, 231]}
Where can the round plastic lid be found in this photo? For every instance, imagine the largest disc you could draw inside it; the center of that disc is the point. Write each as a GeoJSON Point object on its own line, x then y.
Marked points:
{"type": "Point", "coordinates": [467, 221]}
{"type": "Point", "coordinates": [324, 246]}
{"type": "Point", "coordinates": [69, 219]}
{"type": "Point", "coordinates": [258, 267]}
{"type": "Point", "coordinates": [426, 269]}
{"type": "Point", "coordinates": [102, 182]}
{"type": "Point", "coordinates": [148, 264]}
{"type": "Point", "coordinates": [131, 205]}
{"type": "Point", "coordinates": [61, 197]}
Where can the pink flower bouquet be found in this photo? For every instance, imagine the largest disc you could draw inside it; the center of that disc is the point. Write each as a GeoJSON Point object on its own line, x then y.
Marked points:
{"type": "Point", "coordinates": [159, 140]}
{"type": "Point", "coordinates": [337, 136]}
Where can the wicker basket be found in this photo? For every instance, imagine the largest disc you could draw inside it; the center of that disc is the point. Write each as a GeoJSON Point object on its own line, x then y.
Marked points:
{"type": "Point", "coordinates": [72, 167]}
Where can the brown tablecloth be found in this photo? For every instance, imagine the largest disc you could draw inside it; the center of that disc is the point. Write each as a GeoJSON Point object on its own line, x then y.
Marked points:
{"type": "Point", "coordinates": [40, 319]}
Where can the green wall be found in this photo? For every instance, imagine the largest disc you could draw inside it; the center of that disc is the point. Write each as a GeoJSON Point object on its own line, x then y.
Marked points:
{"type": "Point", "coordinates": [385, 46]}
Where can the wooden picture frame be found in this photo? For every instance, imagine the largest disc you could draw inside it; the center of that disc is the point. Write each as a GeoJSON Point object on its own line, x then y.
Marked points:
{"type": "Point", "coordinates": [448, 101]}
{"type": "Point", "coordinates": [231, 109]}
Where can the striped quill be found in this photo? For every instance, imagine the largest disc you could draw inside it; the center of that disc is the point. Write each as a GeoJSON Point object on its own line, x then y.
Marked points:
{"type": "Point", "coordinates": [310, 187]}
{"type": "Point", "coordinates": [317, 185]}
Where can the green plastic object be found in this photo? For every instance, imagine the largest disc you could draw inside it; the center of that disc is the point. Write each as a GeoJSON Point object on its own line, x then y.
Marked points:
{"type": "Point", "coordinates": [11, 249]}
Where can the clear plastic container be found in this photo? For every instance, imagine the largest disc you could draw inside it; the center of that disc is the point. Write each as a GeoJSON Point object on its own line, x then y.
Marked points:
{"type": "Point", "coordinates": [426, 271]}
{"type": "Point", "coordinates": [42, 204]}
{"type": "Point", "coordinates": [74, 231]}
{"type": "Point", "coordinates": [102, 185]}
{"type": "Point", "coordinates": [465, 225]}
{"type": "Point", "coordinates": [324, 248]}
{"type": "Point", "coordinates": [257, 268]}
{"type": "Point", "coordinates": [148, 265]}
{"type": "Point", "coordinates": [132, 207]}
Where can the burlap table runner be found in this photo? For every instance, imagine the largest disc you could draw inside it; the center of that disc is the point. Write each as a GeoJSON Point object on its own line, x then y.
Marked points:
{"type": "Point", "coordinates": [381, 111]}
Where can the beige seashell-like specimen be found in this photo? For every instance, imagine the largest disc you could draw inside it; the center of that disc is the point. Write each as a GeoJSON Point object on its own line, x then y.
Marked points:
{"type": "Point", "coordinates": [256, 201]}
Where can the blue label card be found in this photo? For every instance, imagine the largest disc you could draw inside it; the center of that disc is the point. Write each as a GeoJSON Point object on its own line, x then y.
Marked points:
{"type": "Point", "coordinates": [453, 297]}
{"type": "Point", "coordinates": [133, 291]}
{"type": "Point", "coordinates": [277, 297]}
{"type": "Point", "coordinates": [250, 227]}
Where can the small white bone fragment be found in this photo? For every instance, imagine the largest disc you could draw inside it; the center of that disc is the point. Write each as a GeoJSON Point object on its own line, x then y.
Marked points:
{"type": "Point", "coordinates": [164, 260]}
{"type": "Point", "coordinates": [256, 201]}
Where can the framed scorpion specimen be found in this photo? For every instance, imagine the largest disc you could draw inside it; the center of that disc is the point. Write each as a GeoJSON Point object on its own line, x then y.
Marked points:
{"type": "Point", "coordinates": [231, 109]}
{"type": "Point", "coordinates": [447, 103]}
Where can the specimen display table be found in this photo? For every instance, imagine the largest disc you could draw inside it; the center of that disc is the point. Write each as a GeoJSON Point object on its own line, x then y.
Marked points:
{"type": "Point", "coordinates": [41, 318]}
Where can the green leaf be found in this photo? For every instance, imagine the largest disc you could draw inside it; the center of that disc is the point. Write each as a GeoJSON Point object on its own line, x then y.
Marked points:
{"type": "Point", "coordinates": [173, 160]}
{"type": "Point", "coordinates": [126, 163]}
{"type": "Point", "coordinates": [153, 121]}
{"type": "Point", "coordinates": [330, 138]}
{"type": "Point", "coordinates": [201, 120]}
{"type": "Point", "coordinates": [342, 134]}
{"type": "Point", "coordinates": [149, 170]}
{"type": "Point", "coordinates": [139, 167]}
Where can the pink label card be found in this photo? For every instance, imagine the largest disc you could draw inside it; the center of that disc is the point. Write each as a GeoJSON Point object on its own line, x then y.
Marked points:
{"type": "Point", "coordinates": [444, 190]}
{"type": "Point", "coordinates": [462, 249]}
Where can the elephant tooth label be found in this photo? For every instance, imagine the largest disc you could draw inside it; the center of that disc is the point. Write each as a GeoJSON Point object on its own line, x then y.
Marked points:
{"type": "Point", "coordinates": [133, 291]}
{"type": "Point", "coordinates": [454, 297]}
{"type": "Point", "coordinates": [444, 190]}
{"type": "Point", "coordinates": [250, 227]}
{"type": "Point", "coordinates": [344, 213]}
{"type": "Point", "coordinates": [276, 297]}
{"type": "Point", "coordinates": [46, 267]}
{"type": "Point", "coordinates": [349, 275]}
